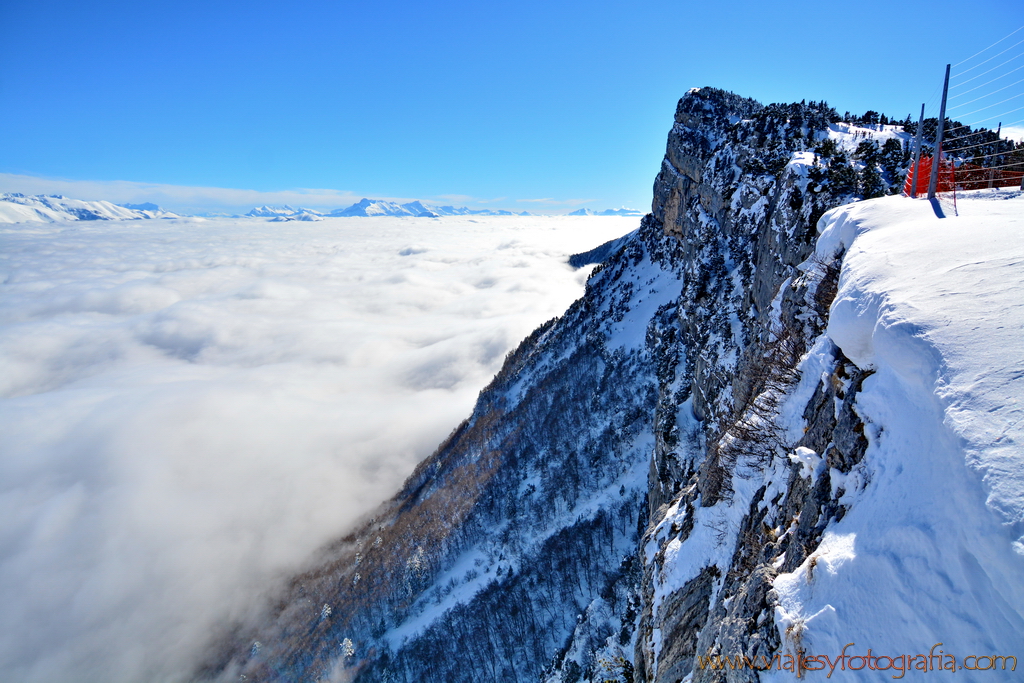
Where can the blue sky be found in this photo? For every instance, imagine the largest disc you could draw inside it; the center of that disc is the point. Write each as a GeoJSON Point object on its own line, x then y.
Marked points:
{"type": "Point", "coordinates": [542, 106]}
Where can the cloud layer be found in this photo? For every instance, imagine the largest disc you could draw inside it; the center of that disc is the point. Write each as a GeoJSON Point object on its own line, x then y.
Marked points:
{"type": "Point", "coordinates": [190, 408]}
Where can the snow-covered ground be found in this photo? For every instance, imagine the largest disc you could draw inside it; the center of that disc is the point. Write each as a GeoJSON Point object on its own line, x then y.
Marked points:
{"type": "Point", "coordinates": [932, 550]}
{"type": "Point", "coordinates": [189, 408]}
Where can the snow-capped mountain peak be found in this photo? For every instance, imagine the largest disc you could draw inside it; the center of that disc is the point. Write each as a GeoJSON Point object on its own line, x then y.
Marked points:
{"type": "Point", "coordinates": [16, 208]}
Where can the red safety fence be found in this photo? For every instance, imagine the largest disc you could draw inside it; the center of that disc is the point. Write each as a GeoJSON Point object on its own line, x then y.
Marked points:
{"type": "Point", "coordinates": [963, 177]}
{"type": "Point", "coordinates": [971, 177]}
{"type": "Point", "coordinates": [946, 181]}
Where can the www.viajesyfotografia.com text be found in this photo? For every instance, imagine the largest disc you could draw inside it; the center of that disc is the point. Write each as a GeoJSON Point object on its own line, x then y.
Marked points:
{"type": "Point", "coordinates": [802, 663]}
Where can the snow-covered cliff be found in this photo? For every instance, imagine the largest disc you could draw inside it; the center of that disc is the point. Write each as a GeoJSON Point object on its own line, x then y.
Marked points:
{"type": "Point", "coordinates": [770, 426]}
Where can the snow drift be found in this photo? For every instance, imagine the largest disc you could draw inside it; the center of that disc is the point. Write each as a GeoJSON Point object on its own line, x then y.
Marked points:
{"type": "Point", "coordinates": [930, 551]}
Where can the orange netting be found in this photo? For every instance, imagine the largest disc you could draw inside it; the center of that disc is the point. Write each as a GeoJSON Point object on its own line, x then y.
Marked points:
{"type": "Point", "coordinates": [971, 177]}
{"type": "Point", "coordinates": [963, 177]}
{"type": "Point", "coordinates": [945, 183]}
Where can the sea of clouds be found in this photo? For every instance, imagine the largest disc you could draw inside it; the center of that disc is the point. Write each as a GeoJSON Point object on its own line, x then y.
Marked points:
{"type": "Point", "coordinates": [190, 408]}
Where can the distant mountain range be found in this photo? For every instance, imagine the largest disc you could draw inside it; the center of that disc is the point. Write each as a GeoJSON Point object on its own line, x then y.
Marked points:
{"type": "Point", "coordinates": [607, 212]}
{"type": "Point", "coordinates": [16, 208]}
{"type": "Point", "coordinates": [381, 207]}
{"type": "Point", "coordinates": [378, 207]}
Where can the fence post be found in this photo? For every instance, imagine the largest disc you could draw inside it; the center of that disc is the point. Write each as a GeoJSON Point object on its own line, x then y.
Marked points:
{"type": "Point", "coordinates": [916, 166]}
{"type": "Point", "coordinates": [934, 180]}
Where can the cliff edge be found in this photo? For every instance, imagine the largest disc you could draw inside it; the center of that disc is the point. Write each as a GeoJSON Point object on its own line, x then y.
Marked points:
{"type": "Point", "coordinates": [702, 457]}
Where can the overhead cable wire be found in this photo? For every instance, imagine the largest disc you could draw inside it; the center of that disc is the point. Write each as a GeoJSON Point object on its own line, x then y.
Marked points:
{"type": "Point", "coordinates": [979, 144]}
{"type": "Point", "coordinates": [964, 125]}
{"type": "Point", "coordinates": [958, 85]}
{"type": "Point", "coordinates": [990, 58]}
{"type": "Point", "coordinates": [1017, 164]}
{"type": "Point", "coordinates": [989, 82]}
{"type": "Point", "coordinates": [950, 146]}
{"type": "Point", "coordinates": [1013, 123]}
{"type": "Point", "coordinates": [1012, 97]}
{"type": "Point", "coordinates": [980, 127]}
{"type": "Point", "coordinates": [989, 47]}
{"type": "Point", "coordinates": [995, 117]}
{"type": "Point", "coordinates": [989, 94]}
{"type": "Point", "coordinates": [981, 156]}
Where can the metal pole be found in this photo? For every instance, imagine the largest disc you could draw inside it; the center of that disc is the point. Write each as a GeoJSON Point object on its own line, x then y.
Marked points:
{"type": "Point", "coordinates": [934, 180]}
{"type": "Point", "coordinates": [917, 154]}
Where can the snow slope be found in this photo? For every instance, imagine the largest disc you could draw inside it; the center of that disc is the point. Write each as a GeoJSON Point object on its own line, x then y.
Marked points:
{"type": "Point", "coordinates": [931, 550]}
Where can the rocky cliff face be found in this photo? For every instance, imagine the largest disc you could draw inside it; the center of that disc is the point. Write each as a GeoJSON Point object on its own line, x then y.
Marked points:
{"type": "Point", "coordinates": [737, 189]}
{"type": "Point", "coordinates": [631, 481]}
